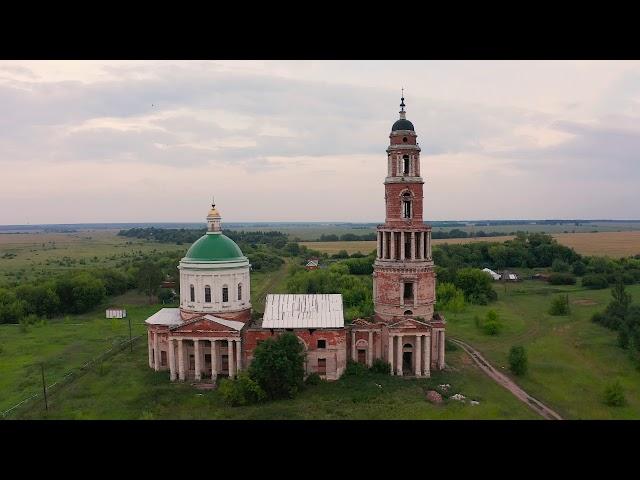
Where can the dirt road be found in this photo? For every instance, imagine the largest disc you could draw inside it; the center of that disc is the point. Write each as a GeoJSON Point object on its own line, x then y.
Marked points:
{"type": "Point", "coordinates": [506, 382]}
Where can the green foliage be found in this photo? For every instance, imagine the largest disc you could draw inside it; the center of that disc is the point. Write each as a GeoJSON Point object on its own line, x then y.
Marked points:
{"type": "Point", "coordinates": [148, 278]}
{"type": "Point", "coordinates": [614, 395]}
{"type": "Point", "coordinates": [560, 305]}
{"type": "Point", "coordinates": [355, 368]}
{"type": "Point", "coordinates": [313, 379]}
{"type": "Point", "coordinates": [518, 362]}
{"type": "Point", "coordinates": [595, 281]}
{"type": "Point", "coordinates": [562, 279]}
{"type": "Point", "coordinates": [476, 286]}
{"type": "Point", "coordinates": [165, 295]}
{"type": "Point", "coordinates": [241, 391]}
{"type": "Point", "coordinates": [356, 290]}
{"type": "Point", "coordinates": [360, 266]}
{"type": "Point", "coordinates": [491, 324]}
{"type": "Point", "coordinates": [341, 254]}
{"type": "Point", "coordinates": [278, 366]}
{"type": "Point", "coordinates": [449, 297]}
{"type": "Point", "coordinates": [579, 268]}
{"type": "Point", "coordinates": [380, 366]}
{"type": "Point", "coordinates": [560, 266]}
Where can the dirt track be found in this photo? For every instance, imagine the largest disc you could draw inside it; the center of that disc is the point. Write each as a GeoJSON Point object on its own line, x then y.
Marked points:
{"type": "Point", "coordinates": [506, 382]}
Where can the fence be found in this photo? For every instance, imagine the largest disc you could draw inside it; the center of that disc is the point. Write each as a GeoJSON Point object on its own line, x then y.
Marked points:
{"type": "Point", "coordinates": [76, 373]}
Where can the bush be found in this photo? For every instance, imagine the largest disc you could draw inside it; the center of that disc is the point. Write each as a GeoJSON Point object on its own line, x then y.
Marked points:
{"type": "Point", "coordinates": [562, 279]}
{"type": "Point", "coordinates": [241, 391]}
{"type": "Point", "coordinates": [278, 366]}
{"type": "Point", "coordinates": [476, 286]}
{"type": "Point", "coordinates": [380, 366]}
{"type": "Point", "coordinates": [313, 379]}
{"type": "Point", "coordinates": [579, 268]}
{"type": "Point", "coordinates": [449, 297]}
{"type": "Point", "coordinates": [491, 324]}
{"type": "Point", "coordinates": [614, 395]}
{"type": "Point", "coordinates": [355, 369]}
{"type": "Point", "coordinates": [560, 305]}
{"type": "Point", "coordinates": [559, 266]}
{"type": "Point", "coordinates": [595, 281]}
{"type": "Point", "coordinates": [518, 360]}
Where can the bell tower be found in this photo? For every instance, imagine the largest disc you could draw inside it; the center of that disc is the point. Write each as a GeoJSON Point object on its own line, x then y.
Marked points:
{"type": "Point", "coordinates": [404, 276]}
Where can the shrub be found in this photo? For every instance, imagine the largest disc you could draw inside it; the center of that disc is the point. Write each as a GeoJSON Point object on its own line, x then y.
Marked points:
{"type": "Point", "coordinates": [380, 366]}
{"type": "Point", "coordinates": [560, 305]}
{"type": "Point", "coordinates": [560, 266]}
{"type": "Point", "coordinates": [595, 281]}
{"type": "Point", "coordinates": [491, 324]}
{"type": "Point", "coordinates": [449, 297]}
{"type": "Point", "coordinates": [614, 395]}
{"type": "Point", "coordinates": [579, 268]}
{"type": "Point", "coordinates": [355, 369]}
{"type": "Point", "coordinates": [313, 379]}
{"type": "Point", "coordinates": [241, 391]}
{"type": "Point", "coordinates": [476, 286]}
{"type": "Point", "coordinates": [562, 279]}
{"type": "Point", "coordinates": [278, 366]}
{"type": "Point", "coordinates": [518, 360]}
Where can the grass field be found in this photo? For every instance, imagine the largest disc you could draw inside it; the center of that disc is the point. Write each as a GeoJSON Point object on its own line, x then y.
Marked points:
{"type": "Point", "coordinates": [571, 359]}
{"type": "Point", "coordinates": [126, 388]}
{"type": "Point", "coordinates": [26, 255]}
{"type": "Point", "coordinates": [613, 244]}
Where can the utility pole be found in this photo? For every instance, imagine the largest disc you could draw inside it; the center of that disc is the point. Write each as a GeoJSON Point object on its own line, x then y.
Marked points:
{"type": "Point", "coordinates": [130, 343]}
{"type": "Point", "coordinates": [44, 388]}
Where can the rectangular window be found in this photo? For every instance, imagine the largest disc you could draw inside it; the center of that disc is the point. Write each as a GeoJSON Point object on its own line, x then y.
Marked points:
{"type": "Point", "coordinates": [192, 293]}
{"type": "Point", "coordinates": [408, 291]}
{"type": "Point", "coordinates": [225, 294]}
{"type": "Point", "coordinates": [322, 344]}
{"type": "Point", "coordinates": [239, 291]}
{"type": "Point", "coordinates": [322, 366]}
{"type": "Point", "coordinates": [405, 170]}
{"type": "Point", "coordinates": [163, 358]}
{"type": "Point", "coordinates": [406, 209]}
{"type": "Point", "coordinates": [207, 294]}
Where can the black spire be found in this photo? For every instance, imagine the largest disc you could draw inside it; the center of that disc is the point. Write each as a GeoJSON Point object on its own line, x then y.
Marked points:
{"type": "Point", "coordinates": [402, 105]}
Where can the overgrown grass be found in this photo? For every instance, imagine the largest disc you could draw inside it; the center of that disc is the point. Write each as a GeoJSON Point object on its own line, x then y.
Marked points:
{"type": "Point", "coordinates": [571, 359]}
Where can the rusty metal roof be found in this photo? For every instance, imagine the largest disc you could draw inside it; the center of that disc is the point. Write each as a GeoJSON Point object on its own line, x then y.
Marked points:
{"type": "Point", "coordinates": [303, 311]}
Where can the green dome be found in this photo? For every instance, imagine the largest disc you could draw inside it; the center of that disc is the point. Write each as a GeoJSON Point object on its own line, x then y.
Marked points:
{"type": "Point", "coordinates": [214, 247]}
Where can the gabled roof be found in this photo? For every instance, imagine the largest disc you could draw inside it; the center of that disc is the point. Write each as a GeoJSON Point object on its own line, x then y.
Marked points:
{"type": "Point", "coordinates": [227, 323]}
{"type": "Point", "coordinates": [211, 322]}
{"type": "Point", "coordinates": [409, 323]}
{"type": "Point", "coordinates": [303, 311]}
{"type": "Point", "coordinates": [165, 316]}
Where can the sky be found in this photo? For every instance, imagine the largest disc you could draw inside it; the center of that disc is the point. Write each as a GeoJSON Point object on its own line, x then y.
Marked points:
{"type": "Point", "coordinates": [153, 141]}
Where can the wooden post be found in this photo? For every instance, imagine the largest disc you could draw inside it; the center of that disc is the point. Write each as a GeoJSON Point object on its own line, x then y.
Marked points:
{"type": "Point", "coordinates": [44, 389]}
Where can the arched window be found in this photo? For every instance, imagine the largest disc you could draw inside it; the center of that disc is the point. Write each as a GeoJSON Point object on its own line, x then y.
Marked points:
{"type": "Point", "coordinates": [405, 164]}
{"type": "Point", "coordinates": [192, 293]}
{"type": "Point", "coordinates": [207, 294]}
{"type": "Point", "coordinates": [225, 294]}
{"type": "Point", "coordinates": [239, 291]}
{"type": "Point", "coordinates": [406, 205]}
{"type": "Point", "coordinates": [408, 312]}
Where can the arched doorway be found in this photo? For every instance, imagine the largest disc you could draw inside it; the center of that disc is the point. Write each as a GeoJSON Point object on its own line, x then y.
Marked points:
{"type": "Point", "coordinates": [407, 359]}
{"type": "Point", "coordinates": [362, 348]}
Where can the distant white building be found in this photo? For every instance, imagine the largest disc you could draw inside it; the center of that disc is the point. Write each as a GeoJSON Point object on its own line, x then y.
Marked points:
{"type": "Point", "coordinates": [494, 275]}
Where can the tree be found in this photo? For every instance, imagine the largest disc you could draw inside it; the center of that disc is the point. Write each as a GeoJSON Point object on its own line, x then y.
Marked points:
{"type": "Point", "coordinates": [241, 391]}
{"type": "Point", "coordinates": [491, 324]}
{"type": "Point", "coordinates": [476, 286]}
{"type": "Point", "coordinates": [518, 362]}
{"type": "Point", "coordinates": [148, 279]}
{"type": "Point", "coordinates": [449, 297]}
{"type": "Point", "coordinates": [560, 305]}
{"type": "Point", "coordinates": [278, 366]}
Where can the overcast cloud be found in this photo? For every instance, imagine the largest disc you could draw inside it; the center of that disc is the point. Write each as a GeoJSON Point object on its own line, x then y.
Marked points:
{"type": "Point", "coordinates": [305, 141]}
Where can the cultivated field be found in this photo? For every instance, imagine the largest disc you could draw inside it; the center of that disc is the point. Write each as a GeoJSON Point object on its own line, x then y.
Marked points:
{"type": "Point", "coordinates": [613, 244]}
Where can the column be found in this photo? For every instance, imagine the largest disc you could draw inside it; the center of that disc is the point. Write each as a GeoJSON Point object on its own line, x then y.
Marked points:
{"type": "Point", "coordinates": [370, 349]}
{"type": "Point", "coordinates": [238, 355]}
{"type": "Point", "coordinates": [384, 244]}
{"type": "Point", "coordinates": [418, 350]}
{"type": "Point", "coordinates": [232, 367]}
{"type": "Point", "coordinates": [156, 352]}
{"type": "Point", "coordinates": [429, 246]}
{"type": "Point", "coordinates": [419, 250]}
{"type": "Point", "coordinates": [390, 352]}
{"type": "Point", "coordinates": [413, 246]}
{"type": "Point", "coordinates": [181, 359]}
{"type": "Point", "coordinates": [172, 366]}
{"type": "Point", "coordinates": [427, 356]}
{"type": "Point", "coordinates": [399, 356]}
{"type": "Point", "coordinates": [150, 348]}
{"type": "Point", "coordinates": [393, 245]}
{"type": "Point", "coordinates": [402, 252]}
{"type": "Point", "coordinates": [353, 346]}
{"type": "Point", "coordinates": [214, 359]}
{"type": "Point", "coordinates": [196, 352]}
{"type": "Point", "coordinates": [441, 349]}
{"type": "Point", "coordinates": [378, 245]}
{"type": "Point", "coordinates": [424, 245]}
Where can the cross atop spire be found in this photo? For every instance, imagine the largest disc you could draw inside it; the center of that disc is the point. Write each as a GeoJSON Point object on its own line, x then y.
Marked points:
{"type": "Point", "coordinates": [403, 114]}
{"type": "Point", "coordinates": [213, 202]}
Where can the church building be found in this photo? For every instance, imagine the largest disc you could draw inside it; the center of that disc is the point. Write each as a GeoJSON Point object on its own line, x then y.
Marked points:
{"type": "Point", "coordinates": [212, 333]}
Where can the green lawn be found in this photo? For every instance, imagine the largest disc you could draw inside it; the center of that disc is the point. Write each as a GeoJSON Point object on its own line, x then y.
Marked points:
{"type": "Point", "coordinates": [62, 345]}
{"type": "Point", "coordinates": [126, 388]}
{"type": "Point", "coordinates": [571, 359]}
